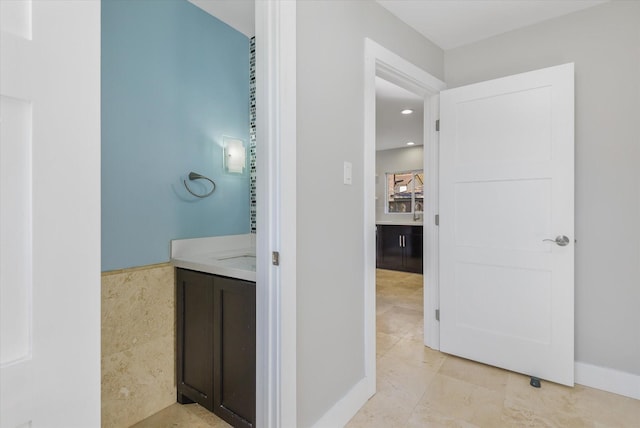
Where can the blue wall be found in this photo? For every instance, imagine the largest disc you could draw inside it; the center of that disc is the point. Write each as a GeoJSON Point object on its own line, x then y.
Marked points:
{"type": "Point", "coordinates": [174, 81]}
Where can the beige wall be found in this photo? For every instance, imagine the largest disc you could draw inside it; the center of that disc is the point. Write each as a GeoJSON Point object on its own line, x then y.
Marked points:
{"type": "Point", "coordinates": [138, 344]}
{"type": "Point", "coordinates": [604, 43]}
{"type": "Point", "coordinates": [330, 237]}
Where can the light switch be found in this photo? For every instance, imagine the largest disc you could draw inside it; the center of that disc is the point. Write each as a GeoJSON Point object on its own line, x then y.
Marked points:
{"type": "Point", "coordinates": [348, 169]}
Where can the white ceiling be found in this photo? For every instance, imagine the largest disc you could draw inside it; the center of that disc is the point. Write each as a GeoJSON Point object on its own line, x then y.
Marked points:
{"type": "Point", "coordinates": [238, 14]}
{"type": "Point", "coordinates": [453, 23]}
{"type": "Point", "coordinates": [447, 23]}
{"type": "Point", "coordinates": [394, 129]}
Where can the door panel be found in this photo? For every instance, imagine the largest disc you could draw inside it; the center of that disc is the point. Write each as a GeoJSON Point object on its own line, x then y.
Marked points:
{"type": "Point", "coordinates": [390, 237]}
{"type": "Point", "coordinates": [413, 249]}
{"type": "Point", "coordinates": [506, 185]}
{"type": "Point", "coordinates": [528, 290]}
{"type": "Point", "coordinates": [235, 351]}
{"type": "Point", "coordinates": [49, 213]}
{"type": "Point", "coordinates": [505, 225]}
{"type": "Point", "coordinates": [16, 284]}
{"type": "Point", "coordinates": [195, 337]}
{"type": "Point", "coordinates": [16, 226]}
{"type": "Point", "coordinates": [494, 131]}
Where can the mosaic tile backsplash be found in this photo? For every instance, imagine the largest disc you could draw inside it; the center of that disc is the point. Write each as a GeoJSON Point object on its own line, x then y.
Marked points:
{"type": "Point", "coordinates": [252, 132]}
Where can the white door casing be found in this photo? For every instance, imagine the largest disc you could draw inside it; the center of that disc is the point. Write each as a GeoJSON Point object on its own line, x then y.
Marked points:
{"type": "Point", "coordinates": [49, 213]}
{"type": "Point", "coordinates": [507, 185]}
{"type": "Point", "coordinates": [276, 214]}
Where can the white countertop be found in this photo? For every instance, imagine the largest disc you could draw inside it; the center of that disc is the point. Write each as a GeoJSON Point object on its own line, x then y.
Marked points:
{"type": "Point", "coordinates": [399, 223]}
{"type": "Point", "coordinates": [233, 256]}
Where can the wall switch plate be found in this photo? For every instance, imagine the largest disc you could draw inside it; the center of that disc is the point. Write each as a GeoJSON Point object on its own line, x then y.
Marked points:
{"type": "Point", "coordinates": [348, 172]}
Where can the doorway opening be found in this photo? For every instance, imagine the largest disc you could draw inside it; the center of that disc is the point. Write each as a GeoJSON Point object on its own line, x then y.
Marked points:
{"type": "Point", "coordinates": [399, 200]}
{"type": "Point", "coordinates": [384, 64]}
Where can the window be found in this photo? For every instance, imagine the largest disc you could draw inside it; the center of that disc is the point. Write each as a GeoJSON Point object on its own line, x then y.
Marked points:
{"type": "Point", "coordinates": [405, 192]}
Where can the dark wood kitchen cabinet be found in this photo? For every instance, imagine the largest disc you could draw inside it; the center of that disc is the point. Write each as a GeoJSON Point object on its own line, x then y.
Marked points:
{"type": "Point", "coordinates": [399, 247]}
{"type": "Point", "coordinates": [216, 345]}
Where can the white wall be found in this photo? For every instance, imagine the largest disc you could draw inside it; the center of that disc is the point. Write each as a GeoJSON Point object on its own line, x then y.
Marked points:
{"type": "Point", "coordinates": [604, 43]}
{"type": "Point", "coordinates": [330, 124]}
{"type": "Point", "coordinates": [395, 160]}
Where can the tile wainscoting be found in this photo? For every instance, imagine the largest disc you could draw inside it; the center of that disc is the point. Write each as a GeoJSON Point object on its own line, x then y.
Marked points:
{"type": "Point", "coordinates": [138, 343]}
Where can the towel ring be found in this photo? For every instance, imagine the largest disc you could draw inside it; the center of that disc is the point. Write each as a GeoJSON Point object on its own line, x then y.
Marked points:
{"type": "Point", "coordinates": [196, 176]}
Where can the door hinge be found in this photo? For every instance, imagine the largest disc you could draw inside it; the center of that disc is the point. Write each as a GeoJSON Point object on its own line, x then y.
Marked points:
{"type": "Point", "coordinates": [275, 258]}
{"type": "Point", "coordinates": [437, 219]}
{"type": "Point", "coordinates": [437, 314]}
{"type": "Point", "coordinates": [438, 125]}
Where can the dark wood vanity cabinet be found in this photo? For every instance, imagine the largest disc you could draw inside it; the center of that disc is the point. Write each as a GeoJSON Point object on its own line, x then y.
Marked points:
{"type": "Point", "coordinates": [399, 247]}
{"type": "Point", "coordinates": [194, 334]}
{"type": "Point", "coordinates": [216, 345]}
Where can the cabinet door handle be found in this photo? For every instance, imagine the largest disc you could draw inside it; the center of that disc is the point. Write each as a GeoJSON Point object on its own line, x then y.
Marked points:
{"type": "Point", "coordinates": [404, 242]}
{"type": "Point", "coordinates": [400, 240]}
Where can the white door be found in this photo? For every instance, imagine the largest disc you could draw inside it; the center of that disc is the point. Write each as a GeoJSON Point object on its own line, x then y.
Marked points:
{"type": "Point", "coordinates": [49, 213]}
{"type": "Point", "coordinates": [506, 192]}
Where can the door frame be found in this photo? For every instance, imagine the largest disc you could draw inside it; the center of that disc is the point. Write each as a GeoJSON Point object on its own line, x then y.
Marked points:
{"type": "Point", "coordinates": [382, 62]}
{"type": "Point", "coordinates": [276, 214]}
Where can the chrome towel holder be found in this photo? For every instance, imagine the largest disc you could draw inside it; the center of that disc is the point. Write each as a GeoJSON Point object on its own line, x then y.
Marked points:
{"type": "Point", "coordinates": [196, 176]}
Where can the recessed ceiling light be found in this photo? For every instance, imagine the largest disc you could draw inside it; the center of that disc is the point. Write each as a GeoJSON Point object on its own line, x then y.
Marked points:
{"type": "Point", "coordinates": [407, 111]}
{"type": "Point", "coordinates": [410, 143]}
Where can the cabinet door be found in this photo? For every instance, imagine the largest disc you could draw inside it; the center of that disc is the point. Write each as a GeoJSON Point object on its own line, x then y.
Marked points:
{"type": "Point", "coordinates": [234, 359]}
{"type": "Point", "coordinates": [413, 250]}
{"type": "Point", "coordinates": [194, 362]}
{"type": "Point", "coordinates": [390, 247]}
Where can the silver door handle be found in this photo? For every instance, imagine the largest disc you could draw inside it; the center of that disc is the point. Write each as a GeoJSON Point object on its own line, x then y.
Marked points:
{"type": "Point", "coordinates": [560, 240]}
{"type": "Point", "coordinates": [399, 240]}
{"type": "Point", "coordinates": [404, 242]}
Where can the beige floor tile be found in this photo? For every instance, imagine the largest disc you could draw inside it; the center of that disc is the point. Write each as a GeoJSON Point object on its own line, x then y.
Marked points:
{"type": "Point", "coordinates": [409, 378]}
{"type": "Point", "coordinates": [206, 416]}
{"type": "Point", "coordinates": [384, 342]}
{"type": "Point", "coordinates": [386, 409]}
{"type": "Point", "coordinates": [462, 401]}
{"type": "Point", "coordinates": [411, 302]}
{"type": "Point", "coordinates": [416, 333]}
{"type": "Point", "coordinates": [558, 405]}
{"type": "Point", "coordinates": [515, 417]}
{"type": "Point", "coordinates": [415, 351]}
{"type": "Point", "coordinates": [383, 304]}
{"type": "Point", "coordinates": [182, 416]}
{"type": "Point", "coordinates": [422, 418]}
{"type": "Point", "coordinates": [475, 373]}
{"type": "Point", "coordinates": [605, 408]}
{"type": "Point", "coordinates": [398, 321]}
{"type": "Point", "coordinates": [393, 274]}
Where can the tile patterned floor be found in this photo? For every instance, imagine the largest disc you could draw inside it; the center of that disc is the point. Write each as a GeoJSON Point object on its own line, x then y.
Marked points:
{"type": "Point", "coordinates": [183, 416]}
{"type": "Point", "coordinates": [419, 387]}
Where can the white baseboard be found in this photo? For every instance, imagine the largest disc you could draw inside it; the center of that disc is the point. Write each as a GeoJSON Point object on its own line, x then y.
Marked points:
{"type": "Point", "coordinates": [348, 406]}
{"type": "Point", "coordinates": [610, 380]}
